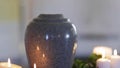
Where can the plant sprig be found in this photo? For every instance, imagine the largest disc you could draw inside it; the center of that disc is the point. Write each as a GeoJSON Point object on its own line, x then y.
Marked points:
{"type": "Point", "coordinates": [89, 63]}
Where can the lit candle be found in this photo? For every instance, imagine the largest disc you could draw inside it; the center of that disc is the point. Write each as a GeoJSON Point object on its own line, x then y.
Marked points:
{"type": "Point", "coordinates": [98, 50]}
{"type": "Point", "coordinates": [103, 62]}
{"type": "Point", "coordinates": [115, 60]}
{"type": "Point", "coordinates": [35, 65]}
{"type": "Point", "coordinates": [8, 65]}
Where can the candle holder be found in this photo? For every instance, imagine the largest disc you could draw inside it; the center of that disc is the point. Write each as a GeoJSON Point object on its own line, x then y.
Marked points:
{"type": "Point", "coordinates": [50, 41]}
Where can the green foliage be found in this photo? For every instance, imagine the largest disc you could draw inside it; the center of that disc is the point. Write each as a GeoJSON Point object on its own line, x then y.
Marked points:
{"type": "Point", "coordinates": [89, 63]}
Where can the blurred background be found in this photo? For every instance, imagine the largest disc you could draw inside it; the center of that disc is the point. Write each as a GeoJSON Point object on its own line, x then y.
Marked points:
{"type": "Point", "coordinates": [97, 23]}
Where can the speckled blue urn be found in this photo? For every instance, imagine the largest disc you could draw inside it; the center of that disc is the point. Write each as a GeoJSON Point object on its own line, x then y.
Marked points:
{"type": "Point", "coordinates": [50, 42]}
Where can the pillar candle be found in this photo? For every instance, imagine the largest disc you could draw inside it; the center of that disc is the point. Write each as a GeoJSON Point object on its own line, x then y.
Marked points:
{"type": "Point", "coordinates": [115, 60]}
{"type": "Point", "coordinates": [103, 62]}
{"type": "Point", "coordinates": [98, 50]}
{"type": "Point", "coordinates": [5, 65]}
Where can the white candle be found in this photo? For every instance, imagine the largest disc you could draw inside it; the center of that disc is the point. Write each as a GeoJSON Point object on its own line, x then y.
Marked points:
{"type": "Point", "coordinates": [103, 62]}
{"type": "Point", "coordinates": [108, 51]}
{"type": "Point", "coordinates": [115, 60]}
{"type": "Point", "coordinates": [8, 65]}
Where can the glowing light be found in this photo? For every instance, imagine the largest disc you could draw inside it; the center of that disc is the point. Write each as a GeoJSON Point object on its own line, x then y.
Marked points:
{"type": "Point", "coordinates": [35, 65]}
{"type": "Point", "coordinates": [43, 55]}
{"type": "Point", "coordinates": [9, 62]}
{"type": "Point", "coordinates": [38, 48]}
{"type": "Point", "coordinates": [98, 51]}
{"type": "Point", "coordinates": [103, 53]}
{"type": "Point", "coordinates": [115, 52]}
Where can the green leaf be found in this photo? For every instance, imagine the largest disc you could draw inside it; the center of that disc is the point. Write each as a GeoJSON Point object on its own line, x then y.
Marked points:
{"type": "Point", "coordinates": [89, 63]}
{"type": "Point", "coordinates": [81, 65]}
{"type": "Point", "coordinates": [86, 66]}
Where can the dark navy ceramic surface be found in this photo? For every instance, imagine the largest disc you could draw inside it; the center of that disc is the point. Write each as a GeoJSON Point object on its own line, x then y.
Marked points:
{"type": "Point", "coordinates": [50, 42]}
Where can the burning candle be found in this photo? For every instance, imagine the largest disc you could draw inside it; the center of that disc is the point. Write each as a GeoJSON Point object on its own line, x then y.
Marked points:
{"type": "Point", "coordinates": [8, 64]}
{"type": "Point", "coordinates": [98, 50]}
{"type": "Point", "coordinates": [115, 60]}
{"type": "Point", "coordinates": [103, 62]}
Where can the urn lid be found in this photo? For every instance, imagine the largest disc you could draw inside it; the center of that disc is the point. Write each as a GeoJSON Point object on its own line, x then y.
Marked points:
{"type": "Point", "coordinates": [51, 18]}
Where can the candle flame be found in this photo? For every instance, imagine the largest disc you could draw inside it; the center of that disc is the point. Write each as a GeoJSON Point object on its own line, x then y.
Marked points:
{"type": "Point", "coordinates": [115, 52]}
{"type": "Point", "coordinates": [103, 53]}
{"type": "Point", "coordinates": [9, 62]}
{"type": "Point", "coordinates": [38, 48]}
{"type": "Point", "coordinates": [101, 50]}
{"type": "Point", "coordinates": [35, 65]}
{"type": "Point", "coordinates": [43, 55]}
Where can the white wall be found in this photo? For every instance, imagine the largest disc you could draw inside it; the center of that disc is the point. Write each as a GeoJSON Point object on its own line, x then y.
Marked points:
{"type": "Point", "coordinates": [9, 31]}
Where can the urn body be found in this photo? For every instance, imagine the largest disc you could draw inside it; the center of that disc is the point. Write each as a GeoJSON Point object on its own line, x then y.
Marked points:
{"type": "Point", "coordinates": [50, 41]}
